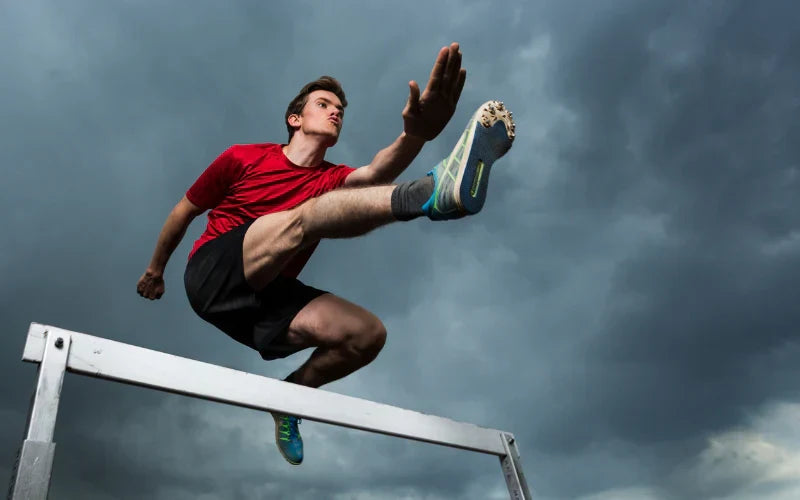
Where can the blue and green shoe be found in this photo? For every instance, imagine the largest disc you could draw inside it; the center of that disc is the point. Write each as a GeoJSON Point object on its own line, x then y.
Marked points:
{"type": "Point", "coordinates": [287, 437]}
{"type": "Point", "coordinates": [461, 179]}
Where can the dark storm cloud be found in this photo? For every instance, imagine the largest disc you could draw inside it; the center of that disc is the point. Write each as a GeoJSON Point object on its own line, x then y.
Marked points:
{"type": "Point", "coordinates": [699, 126]}
{"type": "Point", "coordinates": [626, 293]}
{"type": "Point", "coordinates": [708, 298]}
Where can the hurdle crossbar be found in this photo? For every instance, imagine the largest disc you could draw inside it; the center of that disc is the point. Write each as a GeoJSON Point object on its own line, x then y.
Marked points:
{"type": "Point", "coordinates": [58, 351]}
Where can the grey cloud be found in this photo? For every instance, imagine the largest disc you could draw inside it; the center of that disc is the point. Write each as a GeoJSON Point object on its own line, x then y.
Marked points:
{"type": "Point", "coordinates": [626, 293]}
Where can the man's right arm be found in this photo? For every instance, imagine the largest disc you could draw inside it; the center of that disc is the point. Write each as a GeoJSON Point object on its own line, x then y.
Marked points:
{"type": "Point", "coordinates": [151, 284]}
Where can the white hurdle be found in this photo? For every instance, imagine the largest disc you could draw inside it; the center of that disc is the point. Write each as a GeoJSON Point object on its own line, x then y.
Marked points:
{"type": "Point", "coordinates": [58, 351]}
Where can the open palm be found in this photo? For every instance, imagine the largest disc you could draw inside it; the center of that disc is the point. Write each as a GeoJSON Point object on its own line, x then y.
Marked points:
{"type": "Point", "coordinates": [425, 116]}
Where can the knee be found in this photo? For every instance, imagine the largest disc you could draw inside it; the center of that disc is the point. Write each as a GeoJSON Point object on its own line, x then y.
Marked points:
{"type": "Point", "coordinates": [366, 341]}
{"type": "Point", "coordinates": [295, 230]}
{"type": "Point", "coordinates": [376, 338]}
{"type": "Point", "coordinates": [301, 223]}
{"type": "Point", "coordinates": [274, 235]}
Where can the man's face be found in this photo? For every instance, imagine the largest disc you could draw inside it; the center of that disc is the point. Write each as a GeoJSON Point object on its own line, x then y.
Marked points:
{"type": "Point", "coordinates": [322, 116]}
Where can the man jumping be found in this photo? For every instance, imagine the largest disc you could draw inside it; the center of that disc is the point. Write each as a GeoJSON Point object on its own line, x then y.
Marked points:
{"type": "Point", "coordinates": [271, 204]}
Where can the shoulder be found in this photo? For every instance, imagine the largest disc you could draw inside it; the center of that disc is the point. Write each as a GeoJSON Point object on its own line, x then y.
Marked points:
{"type": "Point", "coordinates": [334, 175]}
{"type": "Point", "coordinates": [245, 156]}
{"type": "Point", "coordinates": [245, 152]}
{"type": "Point", "coordinates": [326, 165]}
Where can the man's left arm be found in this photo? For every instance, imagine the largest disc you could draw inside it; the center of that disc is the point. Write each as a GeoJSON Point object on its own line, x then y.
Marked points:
{"type": "Point", "coordinates": [424, 117]}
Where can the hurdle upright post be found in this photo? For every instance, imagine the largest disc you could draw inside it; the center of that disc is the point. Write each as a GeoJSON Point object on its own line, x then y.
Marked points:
{"type": "Point", "coordinates": [34, 465]}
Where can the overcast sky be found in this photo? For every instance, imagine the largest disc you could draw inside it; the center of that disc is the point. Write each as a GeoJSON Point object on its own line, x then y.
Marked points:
{"type": "Point", "coordinates": [626, 304]}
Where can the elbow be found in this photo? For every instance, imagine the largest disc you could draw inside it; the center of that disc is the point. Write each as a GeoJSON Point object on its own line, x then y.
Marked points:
{"type": "Point", "coordinates": [378, 178]}
{"type": "Point", "coordinates": [185, 212]}
{"type": "Point", "coordinates": [187, 209]}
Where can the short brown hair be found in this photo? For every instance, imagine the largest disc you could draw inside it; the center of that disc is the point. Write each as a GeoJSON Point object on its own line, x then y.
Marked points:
{"type": "Point", "coordinates": [328, 83]}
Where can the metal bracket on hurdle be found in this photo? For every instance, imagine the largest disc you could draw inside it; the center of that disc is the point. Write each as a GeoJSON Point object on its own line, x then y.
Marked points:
{"type": "Point", "coordinates": [58, 351]}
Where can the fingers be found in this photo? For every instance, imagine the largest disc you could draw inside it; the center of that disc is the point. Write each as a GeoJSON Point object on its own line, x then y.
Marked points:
{"type": "Point", "coordinates": [146, 292]}
{"type": "Point", "coordinates": [462, 78]}
{"type": "Point", "coordinates": [446, 75]}
{"type": "Point", "coordinates": [152, 294]}
{"type": "Point", "coordinates": [437, 73]}
{"type": "Point", "coordinates": [452, 69]}
{"type": "Point", "coordinates": [413, 96]}
{"type": "Point", "coordinates": [149, 288]}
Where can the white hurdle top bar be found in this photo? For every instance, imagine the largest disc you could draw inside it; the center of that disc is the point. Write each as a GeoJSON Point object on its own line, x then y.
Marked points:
{"type": "Point", "coordinates": [108, 359]}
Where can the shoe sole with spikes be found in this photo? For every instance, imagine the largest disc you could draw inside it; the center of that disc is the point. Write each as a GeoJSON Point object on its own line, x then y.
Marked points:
{"type": "Point", "coordinates": [461, 179]}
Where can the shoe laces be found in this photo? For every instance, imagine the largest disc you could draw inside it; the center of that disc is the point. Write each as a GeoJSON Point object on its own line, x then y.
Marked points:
{"type": "Point", "coordinates": [289, 427]}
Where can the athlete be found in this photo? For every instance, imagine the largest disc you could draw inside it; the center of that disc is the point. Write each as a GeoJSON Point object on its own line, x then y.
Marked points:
{"type": "Point", "coordinates": [271, 204]}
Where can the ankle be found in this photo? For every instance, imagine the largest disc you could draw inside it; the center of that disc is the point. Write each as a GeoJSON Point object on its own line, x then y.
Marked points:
{"type": "Point", "coordinates": [409, 197]}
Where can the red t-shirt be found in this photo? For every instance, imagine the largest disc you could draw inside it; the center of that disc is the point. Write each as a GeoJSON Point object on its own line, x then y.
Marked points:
{"type": "Point", "coordinates": [251, 180]}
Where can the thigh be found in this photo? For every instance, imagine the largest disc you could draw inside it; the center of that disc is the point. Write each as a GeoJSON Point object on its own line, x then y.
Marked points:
{"type": "Point", "coordinates": [329, 320]}
{"type": "Point", "coordinates": [269, 244]}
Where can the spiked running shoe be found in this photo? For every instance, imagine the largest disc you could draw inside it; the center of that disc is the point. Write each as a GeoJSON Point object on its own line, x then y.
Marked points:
{"type": "Point", "coordinates": [461, 179]}
{"type": "Point", "coordinates": [287, 437]}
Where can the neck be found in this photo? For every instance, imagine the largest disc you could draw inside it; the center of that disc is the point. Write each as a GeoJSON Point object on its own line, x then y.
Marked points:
{"type": "Point", "coordinates": [304, 151]}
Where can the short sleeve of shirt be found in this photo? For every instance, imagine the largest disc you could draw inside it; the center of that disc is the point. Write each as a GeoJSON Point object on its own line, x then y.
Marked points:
{"type": "Point", "coordinates": [336, 176]}
{"type": "Point", "coordinates": [211, 187]}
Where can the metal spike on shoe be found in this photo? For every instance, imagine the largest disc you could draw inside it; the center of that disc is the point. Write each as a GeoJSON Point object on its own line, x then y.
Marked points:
{"type": "Point", "coordinates": [492, 111]}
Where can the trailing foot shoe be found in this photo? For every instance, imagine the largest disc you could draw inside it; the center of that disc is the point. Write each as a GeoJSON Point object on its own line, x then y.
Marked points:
{"type": "Point", "coordinates": [287, 437]}
{"type": "Point", "coordinates": [461, 179]}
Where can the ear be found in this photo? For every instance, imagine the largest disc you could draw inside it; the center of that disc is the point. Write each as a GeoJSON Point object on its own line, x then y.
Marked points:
{"type": "Point", "coordinates": [294, 120]}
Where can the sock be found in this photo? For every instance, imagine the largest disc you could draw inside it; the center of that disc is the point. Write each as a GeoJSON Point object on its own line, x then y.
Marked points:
{"type": "Point", "coordinates": [408, 198]}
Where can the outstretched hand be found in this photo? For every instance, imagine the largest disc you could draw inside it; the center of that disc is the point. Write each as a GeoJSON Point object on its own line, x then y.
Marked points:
{"type": "Point", "coordinates": [150, 285]}
{"type": "Point", "coordinates": [425, 116]}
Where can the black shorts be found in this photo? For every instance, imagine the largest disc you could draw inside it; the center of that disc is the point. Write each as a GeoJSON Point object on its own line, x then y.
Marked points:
{"type": "Point", "coordinates": [219, 294]}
